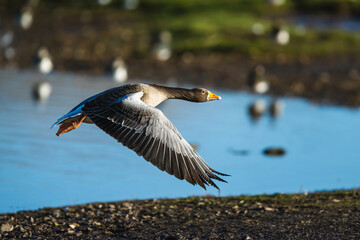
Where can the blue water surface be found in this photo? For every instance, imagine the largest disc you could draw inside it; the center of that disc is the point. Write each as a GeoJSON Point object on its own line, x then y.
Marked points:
{"type": "Point", "coordinates": [39, 169]}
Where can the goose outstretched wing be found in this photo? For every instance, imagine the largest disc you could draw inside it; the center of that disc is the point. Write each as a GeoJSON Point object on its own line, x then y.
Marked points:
{"type": "Point", "coordinates": [148, 132]}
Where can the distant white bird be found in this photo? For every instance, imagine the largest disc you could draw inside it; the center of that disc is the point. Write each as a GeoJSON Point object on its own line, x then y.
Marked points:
{"type": "Point", "coordinates": [41, 91]}
{"type": "Point", "coordinates": [104, 2]}
{"type": "Point", "coordinates": [7, 38]}
{"type": "Point", "coordinates": [119, 70]}
{"type": "Point", "coordinates": [280, 35]}
{"type": "Point", "coordinates": [26, 19]}
{"type": "Point", "coordinates": [257, 109]}
{"type": "Point", "coordinates": [276, 2]}
{"type": "Point", "coordinates": [283, 37]}
{"type": "Point", "coordinates": [131, 4]}
{"type": "Point", "coordinates": [261, 87]}
{"type": "Point", "coordinates": [257, 80]}
{"type": "Point", "coordinates": [162, 49]}
{"type": "Point", "coordinates": [276, 108]}
{"type": "Point", "coordinates": [27, 14]}
{"type": "Point", "coordinates": [258, 28]}
{"type": "Point", "coordinates": [44, 62]}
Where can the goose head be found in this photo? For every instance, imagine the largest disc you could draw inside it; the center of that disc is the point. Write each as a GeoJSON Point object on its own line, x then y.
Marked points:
{"type": "Point", "coordinates": [203, 95]}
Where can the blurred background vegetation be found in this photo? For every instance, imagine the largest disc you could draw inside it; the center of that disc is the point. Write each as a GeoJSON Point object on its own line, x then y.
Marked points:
{"type": "Point", "coordinates": [210, 40]}
{"type": "Point", "coordinates": [198, 26]}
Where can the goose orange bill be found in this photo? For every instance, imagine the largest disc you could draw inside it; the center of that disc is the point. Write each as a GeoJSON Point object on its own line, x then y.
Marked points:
{"type": "Point", "coordinates": [213, 96]}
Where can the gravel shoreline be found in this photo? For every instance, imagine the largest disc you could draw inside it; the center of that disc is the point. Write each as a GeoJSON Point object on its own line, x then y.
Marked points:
{"type": "Point", "coordinates": [321, 215]}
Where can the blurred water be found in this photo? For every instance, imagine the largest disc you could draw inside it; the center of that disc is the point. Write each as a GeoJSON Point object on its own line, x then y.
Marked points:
{"type": "Point", "coordinates": [39, 169]}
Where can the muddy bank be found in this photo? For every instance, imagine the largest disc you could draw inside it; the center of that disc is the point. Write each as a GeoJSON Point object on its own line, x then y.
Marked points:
{"type": "Point", "coordinates": [323, 215]}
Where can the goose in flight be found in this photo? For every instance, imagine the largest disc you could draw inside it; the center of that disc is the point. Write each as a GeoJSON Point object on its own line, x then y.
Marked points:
{"type": "Point", "coordinates": [128, 114]}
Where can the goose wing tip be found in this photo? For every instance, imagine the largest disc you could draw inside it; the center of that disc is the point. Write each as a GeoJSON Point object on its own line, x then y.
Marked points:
{"type": "Point", "coordinates": [215, 186]}
{"type": "Point", "coordinates": [220, 173]}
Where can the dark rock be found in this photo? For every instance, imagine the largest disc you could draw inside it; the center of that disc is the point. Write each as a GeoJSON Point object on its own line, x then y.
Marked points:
{"type": "Point", "coordinates": [272, 151]}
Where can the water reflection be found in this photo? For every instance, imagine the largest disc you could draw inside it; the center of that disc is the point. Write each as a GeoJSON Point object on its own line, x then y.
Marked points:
{"type": "Point", "coordinates": [41, 91]}
{"type": "Point", "coordinates": [276, 108]}
{"type": "Point", "coordinates": [38, 169]}
{"type": "Point", "coordinates": [256, 109]}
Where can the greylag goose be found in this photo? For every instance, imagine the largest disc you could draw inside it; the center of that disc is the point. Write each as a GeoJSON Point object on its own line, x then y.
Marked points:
{"type": "Point", "coordinates": [128, 114]}
{"type": "Point", "coordinates": [43, 61]}
{"type": "Point", "coordinates": [257, 79]}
